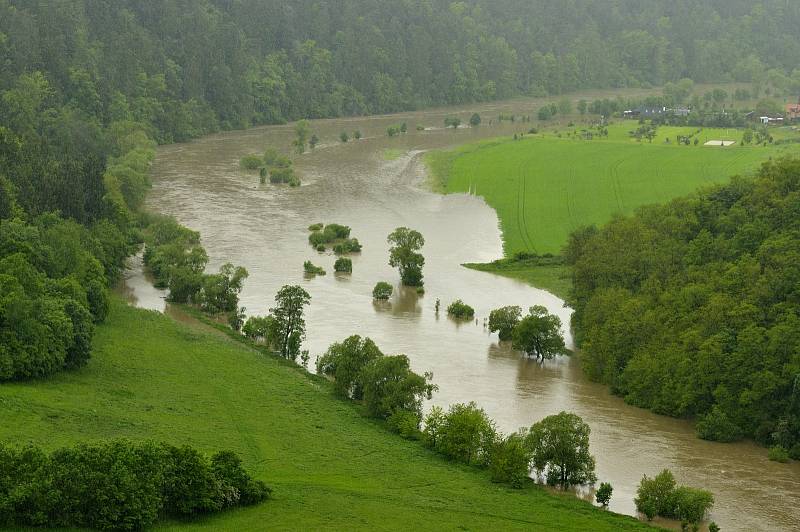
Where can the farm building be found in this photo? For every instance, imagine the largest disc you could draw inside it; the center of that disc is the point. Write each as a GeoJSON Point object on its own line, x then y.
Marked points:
{"type": "Point", "coordinates": [793, 111]}
{"type": "Point", "coordinates": [771, 121]}
{"type": "Point", "coordinates": [650, 112]}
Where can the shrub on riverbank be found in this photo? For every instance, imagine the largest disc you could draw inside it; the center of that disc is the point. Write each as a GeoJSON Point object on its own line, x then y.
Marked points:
{"type": "Point", "coordinates": [660, 496]}
{"type": "Point", "coordinates": [119, 485]}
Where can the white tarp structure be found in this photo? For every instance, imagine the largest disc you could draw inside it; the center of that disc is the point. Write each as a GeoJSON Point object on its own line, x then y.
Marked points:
{"type": "Point", "coordinates": [720, 143]}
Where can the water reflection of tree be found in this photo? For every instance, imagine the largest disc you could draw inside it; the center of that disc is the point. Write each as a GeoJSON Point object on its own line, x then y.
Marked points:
{"type": "Point", "coordinates": [406, 301]}
{"type": "Point", "coordinates": [544, 380]}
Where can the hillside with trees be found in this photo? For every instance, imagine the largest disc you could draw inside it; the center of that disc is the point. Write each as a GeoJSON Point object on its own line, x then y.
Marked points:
{"type": "Point", "coordinates": [691, 309]}
{"type": "Point", "coordinates": [186, 68]}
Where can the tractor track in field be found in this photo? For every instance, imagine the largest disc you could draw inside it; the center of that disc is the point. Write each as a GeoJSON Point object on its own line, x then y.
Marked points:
{"type": "Point", "coordinates": [570, 180]}
{"type": "Point", "coordinates": [522, 224]}
{"type": "Point", "coordinates": [614, 173]}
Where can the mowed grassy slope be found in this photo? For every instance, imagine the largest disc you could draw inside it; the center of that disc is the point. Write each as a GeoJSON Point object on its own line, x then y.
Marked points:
{"type": "Point", "coordinates": [543, 187]}
{"type": "Point", "coordinates": [152, 377]}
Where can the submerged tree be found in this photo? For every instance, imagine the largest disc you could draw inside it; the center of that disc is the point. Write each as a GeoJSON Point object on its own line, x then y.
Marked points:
{"type": "Point", "coordinates": [290, 323]}
{"type": "Point", "coordinates": [539, 334]}
{"type": "Point", "coordinates": [404, 255]}
{"type": "Point", "coordinates": [503, 321]}
{"type": "Point", "coordinates": [302, 131]}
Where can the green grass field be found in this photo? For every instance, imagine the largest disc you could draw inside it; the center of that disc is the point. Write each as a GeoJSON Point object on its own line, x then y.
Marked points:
{"type": "Point", "coordinates": [546, 185]}
{"type": "Point", "coordinates": [152, 377]}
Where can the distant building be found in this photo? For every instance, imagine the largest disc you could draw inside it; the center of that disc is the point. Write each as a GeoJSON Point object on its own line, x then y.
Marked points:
{"type": "Point", "coordinates": [793, 111]}
{"type": "Point", "coordinates": [651, 112]}
{"type": "Point", "coordinates": [771, 121]}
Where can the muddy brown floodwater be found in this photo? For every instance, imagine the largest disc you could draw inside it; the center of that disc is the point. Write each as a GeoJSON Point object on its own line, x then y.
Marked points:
{"type": "Point", "coordinates": [374, 185]}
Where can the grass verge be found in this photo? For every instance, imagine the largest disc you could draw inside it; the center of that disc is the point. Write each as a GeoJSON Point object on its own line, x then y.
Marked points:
{"type": "Point", "coordinates": [152, 377]}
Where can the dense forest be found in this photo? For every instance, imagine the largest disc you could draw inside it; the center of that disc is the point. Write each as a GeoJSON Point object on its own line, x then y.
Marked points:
{"type": "Point", "coordinates": [184, 68]}
{"type": "Point", "coordinates": [692, 308]}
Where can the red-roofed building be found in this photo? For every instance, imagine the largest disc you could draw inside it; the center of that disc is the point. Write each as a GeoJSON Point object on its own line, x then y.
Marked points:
{"type": "Point", "coordinates": [793, 111]}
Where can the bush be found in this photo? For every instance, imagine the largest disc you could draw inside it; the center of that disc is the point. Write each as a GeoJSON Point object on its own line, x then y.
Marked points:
{"type": "Point", "coordinates": [118, 485]}
{"type": "Point", "coordinates": [335, 232]}
{"type": "Point", "coordinates": [691, 505]}
{"type": "Point", "coordinates": [321, 248]}
{"type": "Point", "coordinates": [273, 159]}
{"type": "Point", "coordinates": [794, 452]}
{"type": "Point", "coordinates": [405, 423]}
{"type": "Point", "coordinates": [510, 460]}
{"type": "Point", "coordinates": [656, 496]}
{"type": "Point", "coordinates": [343, 265]}
{"type": "Point", "coordinates": [311, 269]}
{"type": "Point", "coordinates": [349, 245]}
{"type": "Point", "coordinates": [284, 175]}
{"type": "Point", "coordinates": [603, 494]}
{"type": "Point", "coordinates": [260, 328]}
{"type": "Point", "coordinates": [659, 496]}
{"type": "Point", "coordinates": [390, 385]}
{"type": "Point", "coordinates": [778, 453]}
{"type": "Point", "coordinates": [382, 291]}
{"type": "Point", "coordinates": [344, 362]}
{"type": "Point", "coordinates": [460, 310]}
{"type": "Point", "coordinates": [465, 433]}
{"type": "Point", "coordinates": [317, 238]}
{"type": "Point", "coordinates": [250, 162]}
{"type": "Point", "coordinates": [717, 426]}
{"type": "Point", "coordinates": [316, 227]}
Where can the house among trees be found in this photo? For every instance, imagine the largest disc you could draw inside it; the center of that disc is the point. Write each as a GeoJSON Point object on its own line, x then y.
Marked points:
{"type": "Point", "coordinates": [771, 121]}
{"type": "Point", "coordinates": [652, 112]}
{"type": "Point", "coordinates": [793, 111]}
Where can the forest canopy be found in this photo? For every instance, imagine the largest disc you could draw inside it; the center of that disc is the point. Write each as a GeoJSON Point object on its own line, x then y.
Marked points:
{"type": "Point", "coordinates": [692, 309]}
{"type": "Point", "coordinates": [185, 68]}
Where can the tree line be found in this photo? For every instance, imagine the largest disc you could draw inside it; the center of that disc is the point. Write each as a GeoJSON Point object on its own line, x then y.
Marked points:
{"type": "Point", "coordinates": [691, 309]}
{"type": "Point", "coordinates": [119, 485]}
{"type": "Point", "coordinates": [188, 68]}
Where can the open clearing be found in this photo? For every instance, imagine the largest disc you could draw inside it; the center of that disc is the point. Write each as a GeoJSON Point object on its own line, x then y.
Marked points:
{"type": "Point", "coordinates": [546, 185]}
{"type": "Point", "coordinates": [154, 378]}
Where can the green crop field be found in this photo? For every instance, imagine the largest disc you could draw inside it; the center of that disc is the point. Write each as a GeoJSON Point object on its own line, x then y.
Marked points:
{"type": "Point", "coordinates": [546, 185]}
{"type": "Point", "coordinates": [153, 377]}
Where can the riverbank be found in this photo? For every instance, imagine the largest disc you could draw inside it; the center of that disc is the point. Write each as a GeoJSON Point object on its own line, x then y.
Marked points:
{"type": "Point", "coordinates": [547, 273]}
{"type": "Point", "coordinates": [154, 378]}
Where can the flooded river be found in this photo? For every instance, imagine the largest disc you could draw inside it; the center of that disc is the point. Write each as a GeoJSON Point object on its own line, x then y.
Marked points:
{"type": "Point", "coordinates": [374, 185]}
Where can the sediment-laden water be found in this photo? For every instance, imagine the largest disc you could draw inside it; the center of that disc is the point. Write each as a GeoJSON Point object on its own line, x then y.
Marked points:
{"type": "Point", "coordinates": [264, 228]}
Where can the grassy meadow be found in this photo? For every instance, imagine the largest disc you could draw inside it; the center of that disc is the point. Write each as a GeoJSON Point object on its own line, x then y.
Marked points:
{"type": "Point", "coordinates": [546, 185]}
{"type": "Point", "coordinates": [152, 377]}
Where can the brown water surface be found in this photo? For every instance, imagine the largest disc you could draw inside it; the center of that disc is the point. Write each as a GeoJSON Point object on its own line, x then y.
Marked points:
{"type": "Point", "coordinates": [263, 227]}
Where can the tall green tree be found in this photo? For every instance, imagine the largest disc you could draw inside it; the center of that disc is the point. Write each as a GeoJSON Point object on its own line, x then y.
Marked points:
{"type": "Point", "coordinates": [560, 449]}
{"type": "Point", "coordinates": [404, 254]}
{"type": "Point", "coordinates": [538, 334]}
{"type": "Point", "coordinates": [289, 311]}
